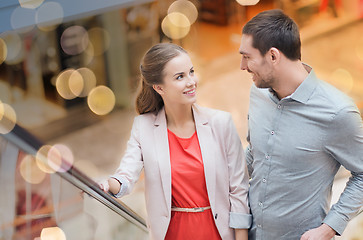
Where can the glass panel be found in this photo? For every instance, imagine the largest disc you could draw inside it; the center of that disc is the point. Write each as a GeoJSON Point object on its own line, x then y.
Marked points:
{"type": "Point", "coordinates": [38, 204]}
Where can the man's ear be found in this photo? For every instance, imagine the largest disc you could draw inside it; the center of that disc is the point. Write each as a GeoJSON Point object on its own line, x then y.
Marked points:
{"type": "Point", "coordinates": [274, 55]}
{"type": "Point", "coordinates": [158, 89]}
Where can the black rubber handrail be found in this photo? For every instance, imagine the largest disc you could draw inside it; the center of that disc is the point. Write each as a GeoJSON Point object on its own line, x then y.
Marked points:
{"type": "Point", "coordinates": [30, 144]}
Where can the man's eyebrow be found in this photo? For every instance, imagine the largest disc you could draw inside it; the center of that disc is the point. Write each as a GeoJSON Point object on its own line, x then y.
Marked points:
{"type": "Point", "coordinates": [243, 53]}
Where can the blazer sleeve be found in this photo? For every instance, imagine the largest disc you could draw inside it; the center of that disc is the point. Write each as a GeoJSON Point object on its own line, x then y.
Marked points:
{"type": "Point", "coordinates": [240, 216]}
{"type": "Point", "coordinates": [131, 163]}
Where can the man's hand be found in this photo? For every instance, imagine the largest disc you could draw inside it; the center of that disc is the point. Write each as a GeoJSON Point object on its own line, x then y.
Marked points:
{"type": "Point", "coordinates": [324, 232]}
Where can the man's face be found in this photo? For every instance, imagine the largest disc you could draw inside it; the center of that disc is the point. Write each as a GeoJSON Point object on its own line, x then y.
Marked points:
{"type": "Point", "coordinates": [255, 63]}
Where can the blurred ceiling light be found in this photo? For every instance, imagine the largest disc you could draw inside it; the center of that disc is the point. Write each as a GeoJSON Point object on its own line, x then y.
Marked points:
{"type": "Point", "coordinates": [62, 84]}
{"type": "Point", "coordinates": [30, 3]}
{"type": "Point", "coordinates": [89, 81]}
{"type": "Point", "coordinates": [247, 2]}
{"type": "Point", "coordinates": [63, 157]}
{"type": "Point", "coordinates": [52, 233]}
{"type": "Point", "coordinates": [342, 79]}
{"type": "Point", "coordinates": [22, 19]}
{"type": "Point", "coordinates": [100, 40]}
{"type": "Point", "coordinates": [89, 54]}
{"type": "Point", "coordinates": [8, 119]}
{"type": "Point", "coordinates": [101, 100]}
{"type": "Point", "coordinates": [74, 40]}
{"type": "Point", "coordinates": [54, 159]}
{"type": "Point", "coordinates": [30, 171]}
{"type": "Point", "coordinates": [175, 25]}
{"type": "Point", "coordinates": [184, 7]}
{"type": "Point", "coordinates": [1, 110]}
{"type": "Point", "coordinates": [76, 83]}
{"type": "Point", "coordinates": [138, 17]}
{"type": "Point", "coordinates": [49, 16]}
{"type": "Point", "coordinates": [41, 159]}
{"type": "Point", "coordinates": [15, 49]}
{"type": "Point", "coordinates": [3, 51]}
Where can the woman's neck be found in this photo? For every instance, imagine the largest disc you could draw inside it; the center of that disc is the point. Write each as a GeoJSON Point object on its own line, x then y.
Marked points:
{"type": "Point", "coordinates": [180, 120]}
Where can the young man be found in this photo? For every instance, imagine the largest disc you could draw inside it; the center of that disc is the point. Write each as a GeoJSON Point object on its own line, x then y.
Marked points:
{"type": "Point", "coordinates": [301, 130]}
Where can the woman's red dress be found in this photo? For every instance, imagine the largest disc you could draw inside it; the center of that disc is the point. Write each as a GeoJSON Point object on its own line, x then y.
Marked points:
{"type": "Point", "coordinates": [189, 190]}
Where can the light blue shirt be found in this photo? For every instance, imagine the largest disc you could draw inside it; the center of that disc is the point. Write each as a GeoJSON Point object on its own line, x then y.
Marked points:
{"type": "Point", "coordinates": [296, 146]}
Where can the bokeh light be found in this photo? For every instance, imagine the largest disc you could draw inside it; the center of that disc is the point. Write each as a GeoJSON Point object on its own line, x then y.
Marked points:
{"type": "Point", "coordinates": [100, 40]}
{"type": "Point", "coordinates": [101, 100]}
{"type": "Point", "coordinates": [185, 7]}
{"type": "Point", "coordinates": [74, 40]}
{"type": "Point", "coordinates": [30, 171]}
{"type": "Point", "coordinates": [8, 119]}
{"type": "Point", "coordinates": [175, 25]}
{"type": "Point", "coordinates": [60, 158]}
{"type": "Point", "coordinates": [89, 80]}
{"type": "Point", "coordinates": [3, 50]}
{"type": "Point", "coordinates": [30, 3]}
{"type": "Point", "coordinates": [15, 49]}
{"type": "Point", "coordinates": [52, 233]}
{"type": "Point", "coordinates": [1, 110]}
{"type": "Point", "coordinates": [342, 79]}
{"type": "Point", "coordinates": [49, 16]}
{"type": "Point", "coordinates": [247, 2]}
{"type": "Point", "coordinates": [54, 159]}
{"type": "Point", "coordinates": [76, 83]}
{"type": "Point", "coordinates": [42, 159]}
{"type": "Point", "coordinates": [63, 83]}
{"type": "Point", "coordinates": [22, 19]}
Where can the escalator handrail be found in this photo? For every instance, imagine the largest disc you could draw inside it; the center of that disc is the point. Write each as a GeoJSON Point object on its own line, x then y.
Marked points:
{"type": "Point", "coordinates": [30, 144]}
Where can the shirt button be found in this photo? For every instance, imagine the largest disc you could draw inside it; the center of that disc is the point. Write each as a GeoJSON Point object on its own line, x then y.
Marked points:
{"type": "Point", "coordinates": [267, 157]}
{"type": "Point", "coordinates": [279, 106]}
{"type": "Point", "coordinates": [259, 225]}
{"type": "Point", "coordinates": [272, 132]}
{"type": "Point", "coordinates": [264, 180]}
{"type": "Point", "coordinates": [260, 204]}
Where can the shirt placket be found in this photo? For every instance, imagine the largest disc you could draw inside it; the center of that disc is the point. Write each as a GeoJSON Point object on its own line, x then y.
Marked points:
{"type": "Point", "coordinates": [267, 165]}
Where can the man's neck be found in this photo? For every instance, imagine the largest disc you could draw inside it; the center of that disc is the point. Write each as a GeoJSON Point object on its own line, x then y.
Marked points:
{"type": "Point", "coordinates": [290, 77]}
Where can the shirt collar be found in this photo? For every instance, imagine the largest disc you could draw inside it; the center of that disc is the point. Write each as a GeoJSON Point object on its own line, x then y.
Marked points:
{"type": "Point", "coordinates": [305, 89]}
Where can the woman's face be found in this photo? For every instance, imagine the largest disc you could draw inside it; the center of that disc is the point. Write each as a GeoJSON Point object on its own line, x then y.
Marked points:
{"type": "Point", "coordinates": [179, 82]}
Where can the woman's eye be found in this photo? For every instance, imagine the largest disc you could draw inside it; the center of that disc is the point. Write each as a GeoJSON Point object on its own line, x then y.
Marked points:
{"type": "Point", "coordinates": [192, 72]}
{"type": "Point", "coordinates": [179, 77]}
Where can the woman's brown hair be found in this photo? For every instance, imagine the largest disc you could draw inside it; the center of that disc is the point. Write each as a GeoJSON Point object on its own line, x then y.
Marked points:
{"type": "Point", "coordinates": [152, 72]}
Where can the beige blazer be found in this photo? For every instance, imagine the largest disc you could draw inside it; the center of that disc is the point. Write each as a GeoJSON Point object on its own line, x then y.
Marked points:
{"type": "Point", "coordinates": [224, 166]}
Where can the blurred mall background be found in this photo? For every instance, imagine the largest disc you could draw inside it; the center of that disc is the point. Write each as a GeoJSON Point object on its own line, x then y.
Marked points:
{"type": "Point", "coordinates": [69, 72]}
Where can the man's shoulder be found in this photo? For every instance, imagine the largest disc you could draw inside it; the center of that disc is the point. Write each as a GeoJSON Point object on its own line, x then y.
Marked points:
{"type": "Point", "coordinates": [332, 96]}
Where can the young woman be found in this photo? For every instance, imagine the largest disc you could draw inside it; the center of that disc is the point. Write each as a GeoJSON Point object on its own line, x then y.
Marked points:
{"type": "Point", "coordinates": [196, 179]}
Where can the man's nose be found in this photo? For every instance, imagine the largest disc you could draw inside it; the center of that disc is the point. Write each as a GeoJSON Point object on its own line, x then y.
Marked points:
{"type": "Point", "coordinates": [243, 64]}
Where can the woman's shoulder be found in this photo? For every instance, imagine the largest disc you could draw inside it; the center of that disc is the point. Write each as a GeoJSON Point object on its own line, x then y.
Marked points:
{"type": "Point", "coordinates": [146, 117]}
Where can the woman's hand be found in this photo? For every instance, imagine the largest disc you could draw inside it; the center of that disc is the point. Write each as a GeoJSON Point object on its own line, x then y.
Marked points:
{"type": "Point", "coordinates": [104, 185]}
{"type": "Point", "coordinates": [111, 185]}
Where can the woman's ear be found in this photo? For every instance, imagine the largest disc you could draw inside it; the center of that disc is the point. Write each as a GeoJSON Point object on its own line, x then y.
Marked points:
{"type": "Point", "coordinates": [158, 89]}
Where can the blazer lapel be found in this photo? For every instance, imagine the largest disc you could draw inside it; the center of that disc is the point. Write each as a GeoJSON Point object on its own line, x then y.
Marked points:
{"type": "Point", "coordinates": [163, 155]}
{"type": "Point", "coordinates": [205, 137]}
